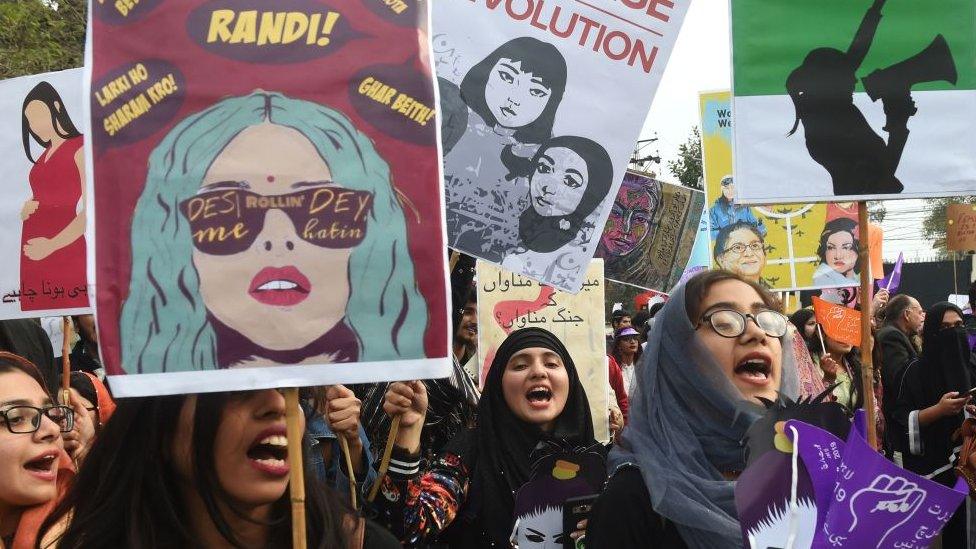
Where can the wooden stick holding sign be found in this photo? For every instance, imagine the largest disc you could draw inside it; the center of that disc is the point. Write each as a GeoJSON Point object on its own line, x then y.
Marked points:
{"type": "Point", "coordinates": [296, 484]}
{"type": "Point", "coordinates": [344, 445]}
{"type": "Point", "coordinates": [867, 367]}
{"type": "Point", "coordinates": [66, 361]}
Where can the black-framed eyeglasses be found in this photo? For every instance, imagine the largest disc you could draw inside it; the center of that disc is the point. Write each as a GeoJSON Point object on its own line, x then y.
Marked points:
{"type": "Point", "coordinates": [731, 323]}
{"type": "Point", "coordinates": [27, 419]}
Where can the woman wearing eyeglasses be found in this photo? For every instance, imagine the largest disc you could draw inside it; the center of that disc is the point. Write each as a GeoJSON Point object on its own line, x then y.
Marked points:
{"type": "Point", "coordinates": [33, 464]}
{"type": "Point", "coordinates": [269, 232]}
{"type": "Point", "coordinates": [716, 348]}
{"type": "Point", "coordinates": [740, 249]}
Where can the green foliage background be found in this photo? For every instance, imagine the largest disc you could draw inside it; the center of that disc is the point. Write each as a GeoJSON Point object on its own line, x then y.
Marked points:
{"type": "Point", "coordinates": [41, 36]}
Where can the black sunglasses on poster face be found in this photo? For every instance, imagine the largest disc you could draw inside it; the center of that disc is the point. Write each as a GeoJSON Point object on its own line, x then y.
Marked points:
{"type": "Point", "coordinates": [228, 221]}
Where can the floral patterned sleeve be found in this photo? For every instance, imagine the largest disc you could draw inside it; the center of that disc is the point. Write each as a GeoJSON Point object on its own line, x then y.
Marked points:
{"type": "Point", "coordinates": [418, 505]}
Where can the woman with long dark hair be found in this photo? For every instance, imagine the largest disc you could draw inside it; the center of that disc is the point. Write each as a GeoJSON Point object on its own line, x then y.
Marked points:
{"type": "Point", "coordinates": [507, 107]}
{"type": "Point", "coordinates": [465, 499]}
{"type": "Point", "coordinates": [838, 251]}
{"type": "Point", "coordinates": [717, 347]}
{"type": "Point", "coordinates": [207, 470]}
{"type": "Point", "coordinates": [53, 233]}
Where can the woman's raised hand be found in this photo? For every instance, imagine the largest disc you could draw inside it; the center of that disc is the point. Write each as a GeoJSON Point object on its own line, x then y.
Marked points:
{"type": "Point", "coordinates": [408, 400]}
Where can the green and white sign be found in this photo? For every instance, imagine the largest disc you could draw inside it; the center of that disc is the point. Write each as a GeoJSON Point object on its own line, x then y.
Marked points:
{"type": "Point", "coordinates": [860, 99]}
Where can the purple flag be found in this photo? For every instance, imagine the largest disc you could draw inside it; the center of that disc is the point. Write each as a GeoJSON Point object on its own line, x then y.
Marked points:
{"type": "Point", "coordinates": [878, 504]}
{"type": "Point", "coordinates": [893, 280]}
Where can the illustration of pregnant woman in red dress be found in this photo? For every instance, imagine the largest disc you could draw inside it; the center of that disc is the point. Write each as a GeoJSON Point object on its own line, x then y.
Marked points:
{"type": "Point", "coordinates": [52, 261]}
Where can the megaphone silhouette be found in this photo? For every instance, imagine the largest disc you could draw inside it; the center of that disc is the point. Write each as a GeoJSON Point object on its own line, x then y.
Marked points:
{"type": "Point", "coordinates": [932, 64]}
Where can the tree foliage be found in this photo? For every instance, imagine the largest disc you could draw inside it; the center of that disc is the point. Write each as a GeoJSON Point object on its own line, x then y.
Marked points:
{"type": "Point", "coordinates": [688, 166]}
{"type": "Point", "coordinates": [41, 36]}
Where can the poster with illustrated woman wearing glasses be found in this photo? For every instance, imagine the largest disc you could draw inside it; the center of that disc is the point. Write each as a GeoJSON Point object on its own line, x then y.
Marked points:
{"type": "Point", "coordinates": [44, 213]}
{"type": "Point", "coordinates": [263, 195]}
{"type": "Point", "coordinates": [783, 247]}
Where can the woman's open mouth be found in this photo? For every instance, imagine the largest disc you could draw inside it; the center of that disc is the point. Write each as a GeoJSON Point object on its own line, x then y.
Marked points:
{"type": "Point", "coordinates": [280, 286]}
{"type": "Point", "coordinates": [755, 370]}
{"type": "Point", "coordinates": [508, 111]}
{"type": "Point", "coordinates": [44, 466]}
{"type": "Point", "coordinates": [269, 452]}
{"type": "Point", "coordinates": [539, 397]}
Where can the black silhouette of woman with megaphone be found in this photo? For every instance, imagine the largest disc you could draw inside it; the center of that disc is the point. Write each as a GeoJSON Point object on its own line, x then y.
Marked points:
{"type": "Point", "coordinates": [838, 136]}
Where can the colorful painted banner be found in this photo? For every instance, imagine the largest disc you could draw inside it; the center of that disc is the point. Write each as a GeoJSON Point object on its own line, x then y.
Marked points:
{"type": "Point", "coordinates": [44, 209]}
{"type": "Point", "coordinates": [650, 233]}
{"type": "Point", "coordinates": [839, 323]}
{"type": "Point", "coordinates": [961, 227]}
{"type": "Point", "coordinates": [701, 252]}
{"type": "Point", "coordinates": [508, 301]}
{"type": "Point", "coordinates": [263, 195]}
{"type": "Point", "coordinates": [542, 103]}
{"type": "Point", "coordinates": [860, 99]}
{"type": "Point", "coordinates": [783, 246]}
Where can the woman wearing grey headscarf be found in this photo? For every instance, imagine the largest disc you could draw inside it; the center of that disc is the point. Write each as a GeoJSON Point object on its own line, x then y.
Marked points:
{"type": "Point", "coordinates": [715, 349]}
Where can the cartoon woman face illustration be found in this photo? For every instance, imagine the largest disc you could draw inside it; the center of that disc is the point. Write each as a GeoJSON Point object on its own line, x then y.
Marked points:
{"type": "Point", "coordinates": [40, 121]}
{"type": "Point", "coordinates": [290, 274]}
{"type": "Point", "coordinates": [287, 230]}
{"type": "Point", "coordinates": [629, 224]}
{"type": "Point", "coordinates": [838, 247]}
{"type": "Point", "coordinates": [559, 182]}
{"type": "Point", "coordinates": [518, 86]}
{"type": "Point", "coordinates": [739, 248]}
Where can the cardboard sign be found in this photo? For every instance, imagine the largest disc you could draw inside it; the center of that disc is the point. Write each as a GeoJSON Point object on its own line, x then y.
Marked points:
{"type": "Point", "coordinates": [783, 246]}
{"type": "Point", "coordinates": [44, 207]}
{"type": "Point", "coordinates": [838, 322]}
{"type": "Point", "coordinates": [264, 195]}
{"type": "Point", "coordinates": [541, 105]}
{"type": "Point", "coordinates": [650, 234]}
{"type": "Point", "coordinates": [961, 227]}
{"type": "Point", "coordinates": [508, 301]}
{"type": "Point", "coordinates": [853, 99]}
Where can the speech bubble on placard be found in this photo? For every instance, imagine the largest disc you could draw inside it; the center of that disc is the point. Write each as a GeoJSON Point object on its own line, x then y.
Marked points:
{"type": "Point", "coordinates": [397, 101]}
{"type": "Point", "coordinates": [135, 100]}
{"type": "Point", "coordinates": [120, 12]}
{"type": "Point", "coordinates": [279, 32]}
{"type": "Point", "coordinates": [403, 13]}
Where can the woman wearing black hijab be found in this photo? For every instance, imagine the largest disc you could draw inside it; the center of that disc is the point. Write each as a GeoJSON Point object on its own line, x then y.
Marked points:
{"type": "Point", "coordinates": [532, 397]}
{"type": "Point", "coordinates": [930, 403]}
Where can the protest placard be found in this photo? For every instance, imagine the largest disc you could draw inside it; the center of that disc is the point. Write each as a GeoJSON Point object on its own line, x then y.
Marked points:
{"type": "Point", "coordinates": [701, 253]}
{"type": "Point", "coordinates": [782, 246]}
{"type": "Point", "coordinates": [43, 214]}
{"type": "Point", "coordinates": [649, 236]}
{"type": "Point", "coordinates": [838, 322]}
{"type": "Point", "coordinates": [508, 301]}
{"type": "Point", "coordinates": [961, 227]}
{"type": "Point", "coordinates": [267, 195]}
{"type": "Point", "coordinates": [542, 102]}
{"type": "Point", "coordinates": [860, 99]}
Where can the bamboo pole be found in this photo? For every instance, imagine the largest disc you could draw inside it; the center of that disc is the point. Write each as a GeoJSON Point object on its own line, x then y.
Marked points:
{"type": "Point", "coordinates": [296, 489]}
{"type": "Point", "coordinates": [867, 366]}
{"type": "Point", "coordinates": [455, 256]}
{"type": "Point", "coordinates": [344, 445]}
{"type": "Point", "coordinates": [385, 462]}
{"type": "Point", "coordinates": [66, 361]}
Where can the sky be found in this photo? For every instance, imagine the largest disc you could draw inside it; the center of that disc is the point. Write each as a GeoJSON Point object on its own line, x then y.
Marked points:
{"type": "Point", "coordinates": [701, 61]}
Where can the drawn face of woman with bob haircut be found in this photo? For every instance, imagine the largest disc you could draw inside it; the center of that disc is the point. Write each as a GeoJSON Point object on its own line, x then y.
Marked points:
{"type": "Point", "coordinates": [559, 182]}
{"type": "Point", "coordinates": [515, 97]}
{"type": "Point", "coordinates": [280, 280]}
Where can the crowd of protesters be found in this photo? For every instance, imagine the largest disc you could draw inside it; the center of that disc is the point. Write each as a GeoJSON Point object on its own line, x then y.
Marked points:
{"type": "Point", "coordinates": [212, 470]}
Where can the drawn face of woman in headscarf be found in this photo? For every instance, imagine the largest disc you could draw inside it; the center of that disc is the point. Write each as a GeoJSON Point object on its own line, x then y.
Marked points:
{"type": "Point", "coordinates": [558, 183]}
{"type": "Point", "coordinates": [840, 253]}
{"type": "Point", "coordinates": [744, 254]}
{"type": "Point", "coordinates": [278, 290]}
{"type": "Point", "coordinates": [753, 360]}
{"type": "Point", "coordinates": [515, 97]}
{"type": "Point", "coordinates": [629, 223]}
